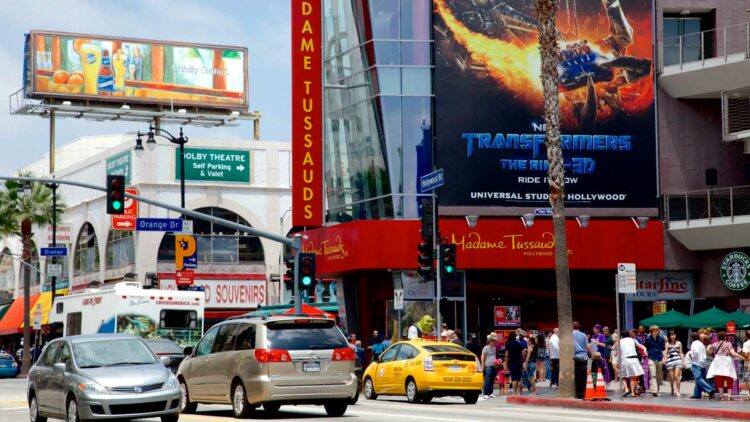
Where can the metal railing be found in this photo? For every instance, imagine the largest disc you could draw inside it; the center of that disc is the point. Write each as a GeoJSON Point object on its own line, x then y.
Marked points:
{"type": "Point", "coordinates": [699, 46]}
{"type": "Point", "coordinates": [707, 204]}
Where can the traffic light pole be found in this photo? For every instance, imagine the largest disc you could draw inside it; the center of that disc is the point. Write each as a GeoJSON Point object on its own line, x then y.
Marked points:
{"type": "Point", "coordinates": [435, 243]}
{"type": "Point", "coordinates": [297, 292]}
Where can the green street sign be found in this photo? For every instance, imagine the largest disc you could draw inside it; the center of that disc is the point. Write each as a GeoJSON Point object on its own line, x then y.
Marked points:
{"type": "Point", "coordinates": [119, 165]}
{"type": "Point", "coordinates": [214, 165]}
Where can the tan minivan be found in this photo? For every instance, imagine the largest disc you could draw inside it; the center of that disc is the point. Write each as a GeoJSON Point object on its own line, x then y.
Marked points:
{"type": "Point", "coordinates": [269, 361]}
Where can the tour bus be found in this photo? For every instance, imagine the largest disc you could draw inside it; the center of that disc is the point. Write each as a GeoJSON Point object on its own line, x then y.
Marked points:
{"type": "Point", "coordinates": [129, 308]}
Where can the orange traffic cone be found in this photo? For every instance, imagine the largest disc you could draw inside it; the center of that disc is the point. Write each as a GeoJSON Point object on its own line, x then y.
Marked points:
{"type": "Point", "coordinates": [598, 391]}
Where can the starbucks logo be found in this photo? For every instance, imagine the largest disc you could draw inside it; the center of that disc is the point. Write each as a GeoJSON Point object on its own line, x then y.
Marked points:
{"type": "Point", "coordinates": [735, 268]}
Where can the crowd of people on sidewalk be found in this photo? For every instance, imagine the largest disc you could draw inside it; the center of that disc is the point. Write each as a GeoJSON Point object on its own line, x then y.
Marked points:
{"type": "Point", "coordinates": [638, 360]}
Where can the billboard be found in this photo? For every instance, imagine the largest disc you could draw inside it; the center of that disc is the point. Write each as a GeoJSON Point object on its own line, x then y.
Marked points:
{"type": "Point", "coordinates": [109, 69]}
{"type": "Point", "coordinates": [507, 316]}
{"type": "Point", "coordinates": [489, 104]}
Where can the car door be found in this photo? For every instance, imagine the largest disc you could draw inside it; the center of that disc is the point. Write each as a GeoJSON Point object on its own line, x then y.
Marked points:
{"type": "Point", "coordinates": [199, 367]}
{"type": "Point", "coordinates": [222, 363]}
{"type": "Point", "coordinates": [400, 367]}
{"type": "Point", "coordinates": [57, 380]}
{"type": "Point", "coordinates": [384, 375]}
{"type": "Point", "coordinates": [42, 375]}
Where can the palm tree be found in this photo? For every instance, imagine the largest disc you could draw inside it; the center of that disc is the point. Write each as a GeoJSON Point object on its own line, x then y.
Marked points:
{"type": "Point", "coordinates": [547, 14]}
{"type": "Point", "coordinates": [20, 212]}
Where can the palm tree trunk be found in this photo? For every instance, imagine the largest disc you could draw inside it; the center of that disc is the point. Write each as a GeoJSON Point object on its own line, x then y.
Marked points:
{"type": "Point", "coordinates": [547, 13]}
{"type": "Point", "coordinates": [26, 241]}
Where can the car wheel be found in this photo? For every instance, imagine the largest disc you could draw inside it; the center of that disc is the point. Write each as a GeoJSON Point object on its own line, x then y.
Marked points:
{"type": "Point", "coordinates": [72, 411]}
{"type": "Point", "coordinates": [412, 395]}
{"type": "Point", "coordinates": [240, 406]}
{"type": "Point", "coordinates": [471, 398]}
{"type": "Point", "coordinates": [337, 408]}
{"type": "Point", "coordinates": [34, 410]}
{"type": "Point", "coordinates": [170, 418]}
{"type": "Point", "coordinates": [369, 390]}
{"type": "Point", "coordinates": [186, 406]}
{"type": "Point", "coordinates": [271, 408]}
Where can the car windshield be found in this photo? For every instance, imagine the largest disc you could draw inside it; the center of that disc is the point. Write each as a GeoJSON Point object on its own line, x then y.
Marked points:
{"type": "Point", "coordinates": [95, 354]}
{"type": "Point", "coordinates": [164, 347]}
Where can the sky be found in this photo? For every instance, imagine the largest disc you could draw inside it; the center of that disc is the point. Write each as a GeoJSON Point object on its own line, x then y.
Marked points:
{"type": "Point", "coordinates": [263, 26]}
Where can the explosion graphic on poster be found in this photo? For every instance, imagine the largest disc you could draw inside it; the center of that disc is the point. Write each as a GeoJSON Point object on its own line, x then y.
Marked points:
{"type": "Point", "coordinates": [489, 103]}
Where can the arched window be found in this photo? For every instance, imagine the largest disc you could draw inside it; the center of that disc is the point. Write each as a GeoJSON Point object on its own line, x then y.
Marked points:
{"type": "Point", "coordinates": [7, 274]}
{"type": "Point", "coordinates": [120, 248]}
{"type": "Point", "coordinates": [217, 244]}
{"type": "Point", "coordinates": [87, 251]}
{"type": "Point", "coordinates": [34, 262]}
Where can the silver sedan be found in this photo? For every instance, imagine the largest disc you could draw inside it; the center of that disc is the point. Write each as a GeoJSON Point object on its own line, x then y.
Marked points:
{"type": "Point", "coordinates": [102, 376]}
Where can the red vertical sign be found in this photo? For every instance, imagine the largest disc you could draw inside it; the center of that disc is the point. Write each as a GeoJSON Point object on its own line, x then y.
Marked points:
{"type": "Point", "coordinates": [307, 112]}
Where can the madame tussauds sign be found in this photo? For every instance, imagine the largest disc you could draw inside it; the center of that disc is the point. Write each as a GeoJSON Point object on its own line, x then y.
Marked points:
{"type": "Point", "coordinates": [734, 271]}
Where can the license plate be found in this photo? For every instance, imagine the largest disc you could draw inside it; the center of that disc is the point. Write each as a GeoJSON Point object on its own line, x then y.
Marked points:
{"type": "Point", "coordinates": [310, 366]}
{"type": "Point", "coordinates": [455, 368]}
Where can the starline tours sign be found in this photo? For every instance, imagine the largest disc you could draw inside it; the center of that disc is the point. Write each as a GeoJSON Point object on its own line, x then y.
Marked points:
{"type": "Point", "coordinates": [307, 103]}
{"type": "Point", "coordinates": [662, 285]}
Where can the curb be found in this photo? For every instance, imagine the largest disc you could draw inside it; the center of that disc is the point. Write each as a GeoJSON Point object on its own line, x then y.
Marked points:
{"type": "Point", "coordinates": [631, 407]}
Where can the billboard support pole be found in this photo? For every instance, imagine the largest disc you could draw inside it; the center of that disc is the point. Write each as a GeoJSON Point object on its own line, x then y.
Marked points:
{"type": "Point", "coordinates": [435, 244]}
{"type": "Point", "coordinates": [51, 141]}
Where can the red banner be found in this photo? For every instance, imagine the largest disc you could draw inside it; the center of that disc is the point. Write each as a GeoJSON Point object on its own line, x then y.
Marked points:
{"type": "Point", "coordinates": [493, 244]}
{"type": "Point", "coordinates": [307, 120]}
{"type": "Point", "coordinates": [507, 316]}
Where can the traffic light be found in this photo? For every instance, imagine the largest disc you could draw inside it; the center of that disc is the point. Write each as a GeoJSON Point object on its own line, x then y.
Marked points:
{"type": "Point", "coordinates": [425, 260]}
{"type": "Point", "coordinates": [427, 221]}
{"type": "Point", "coordinates": [447, 258]}
{"type": "Point", "coordinates": [306, 276]}
{"type": "Point", "coordinates": [115, 194]}
{"type": "Point", "coordinates": [289, 268]}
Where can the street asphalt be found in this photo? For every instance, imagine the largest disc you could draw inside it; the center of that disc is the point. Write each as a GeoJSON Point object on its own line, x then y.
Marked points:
{"type": "Point", "coordinates": [13, 408]}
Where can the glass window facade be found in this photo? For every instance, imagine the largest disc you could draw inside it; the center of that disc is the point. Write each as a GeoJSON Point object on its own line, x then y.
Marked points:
{"type": "Point", "coordinates": [7, 274]}
{"type": "Point", "coordinates": [682, 39]}
{"type": "Point", "coordinates": [378, 76]}
{"type": "Point", "coordinates": [216, 243]}
{"type": "Point", "coordinates": [86, 255]}
{"type": "Point", "coordinates": [120, 248]}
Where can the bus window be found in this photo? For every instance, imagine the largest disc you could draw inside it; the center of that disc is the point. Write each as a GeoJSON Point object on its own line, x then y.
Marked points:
{"type": "Point", "coordinates": [178, 318]}
{"type": "Point", "coordinates": [73, 325]}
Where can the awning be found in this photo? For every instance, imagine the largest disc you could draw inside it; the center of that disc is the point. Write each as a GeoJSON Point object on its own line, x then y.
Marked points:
{"type": "Point", "coordinates": [3, 310]}
{"type": "Point", "coordinates": [43, 303]}
{"type": "Point", "coordinates": [11, 322]}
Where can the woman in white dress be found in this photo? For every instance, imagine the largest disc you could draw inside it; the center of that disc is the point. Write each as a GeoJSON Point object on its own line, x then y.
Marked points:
{"type": "Point", "coordinates": [722, 367]}
{"type": "Point", "coordinates": [630, 362]}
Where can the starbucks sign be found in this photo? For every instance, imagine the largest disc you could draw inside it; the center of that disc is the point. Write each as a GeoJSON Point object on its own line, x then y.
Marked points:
{"type": "Point", "coordinates": [735, 271]}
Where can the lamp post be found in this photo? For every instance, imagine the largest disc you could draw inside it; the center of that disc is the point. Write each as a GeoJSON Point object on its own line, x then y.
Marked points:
{"type": "Point", "coordinates": [177, 140]}
{"type": "Point", "coordinates": [53, 280]}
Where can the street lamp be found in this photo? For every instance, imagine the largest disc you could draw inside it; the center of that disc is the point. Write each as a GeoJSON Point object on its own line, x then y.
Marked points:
{"type": "Point", "coordinates": [53, 186]}
{"type": "Point", "coordinates": [151, 145]}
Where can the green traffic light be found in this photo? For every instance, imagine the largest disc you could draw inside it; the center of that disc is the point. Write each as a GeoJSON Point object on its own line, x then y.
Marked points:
{"type": "Point", "coordinates": [116, 205]}
{"type": "Point", "coordinates": [306, 281]}
{"type": "Point", "coordinates": [449, 269]}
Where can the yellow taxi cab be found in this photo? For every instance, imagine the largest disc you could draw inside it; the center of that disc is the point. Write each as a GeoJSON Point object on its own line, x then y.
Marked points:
{"type": "Point", "coordinates": [423, 369]}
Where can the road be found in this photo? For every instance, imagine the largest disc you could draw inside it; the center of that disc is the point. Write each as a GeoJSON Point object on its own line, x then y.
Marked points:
{"type": "Point", "coordinates": [13, 409]}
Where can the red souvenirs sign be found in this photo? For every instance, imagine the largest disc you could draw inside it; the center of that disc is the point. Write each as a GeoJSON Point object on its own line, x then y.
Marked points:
{"type": "Point", "coordinates": [307, 114]}
{"type": "Point", "coordinates": [493, 244]}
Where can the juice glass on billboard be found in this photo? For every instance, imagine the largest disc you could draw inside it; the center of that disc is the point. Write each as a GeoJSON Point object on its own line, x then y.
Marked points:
{"type": "Point", "coordinates": [118, 63]}
{"type": "Point", "coordinates": [91, 60]}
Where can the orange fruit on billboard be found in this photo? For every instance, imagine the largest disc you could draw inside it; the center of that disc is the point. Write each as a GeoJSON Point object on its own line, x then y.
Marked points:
{"type": "Point", "coordinates": [60, 77]}
{"type": "Point", "coordinates": [78, 43]}
{"type": "Point", "coordinates": [75, 80]}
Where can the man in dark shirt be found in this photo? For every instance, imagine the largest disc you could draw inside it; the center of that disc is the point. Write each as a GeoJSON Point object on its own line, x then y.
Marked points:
{"type": "Point", "coordinates": [473, 345]}
{"type": "Point", "coordinates": [655, 346]}
{"type": "Point", "coordinates": [514, 362]}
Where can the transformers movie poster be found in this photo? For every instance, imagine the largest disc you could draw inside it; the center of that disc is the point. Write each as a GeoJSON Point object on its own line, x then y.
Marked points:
{"type": "Point", "coordinates": [489, 103]}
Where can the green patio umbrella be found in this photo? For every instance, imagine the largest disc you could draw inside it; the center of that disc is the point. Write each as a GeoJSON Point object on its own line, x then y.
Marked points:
{"type": "Point", "coordinates": [669, 319]}
{"type": "Point", "coordinates": [740, 318]}
{"type": "Point", "coordinates": [712, 318]}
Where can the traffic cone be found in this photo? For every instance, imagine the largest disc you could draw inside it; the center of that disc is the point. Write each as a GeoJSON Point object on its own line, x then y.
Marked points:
{"type": "Point", "coordinates": [596, 392]}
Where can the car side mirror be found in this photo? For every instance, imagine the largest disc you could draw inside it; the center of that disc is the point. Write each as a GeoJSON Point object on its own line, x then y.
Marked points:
{"type": "Point", "coordinates": [59, 368]}
{"type": "Point", "coordinates": [165, 360]}
{"type": "Point", "coordinates": [188, 351]}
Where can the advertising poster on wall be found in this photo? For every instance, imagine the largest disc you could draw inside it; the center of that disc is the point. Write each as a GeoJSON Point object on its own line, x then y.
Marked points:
{"type": "Point", "coordinates": [132, 70]}
{"type": "Point", "coordinates": [507, 316]}
{"type": "Point", "coordinates": [489, 104]}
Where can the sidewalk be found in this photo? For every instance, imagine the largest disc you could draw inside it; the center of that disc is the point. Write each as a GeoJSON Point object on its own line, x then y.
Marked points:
{"type": "Point", "coordinates": [664, 404]}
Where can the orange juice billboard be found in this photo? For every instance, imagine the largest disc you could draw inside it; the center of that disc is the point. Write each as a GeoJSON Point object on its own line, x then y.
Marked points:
{"type": "Point", "coordinates": [135, 71]}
